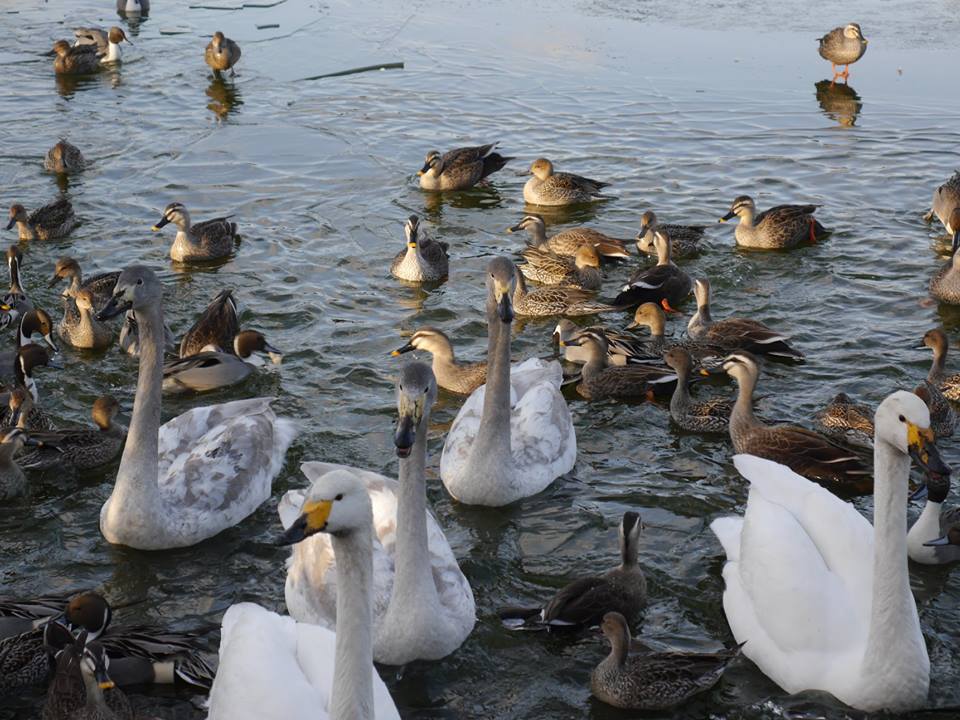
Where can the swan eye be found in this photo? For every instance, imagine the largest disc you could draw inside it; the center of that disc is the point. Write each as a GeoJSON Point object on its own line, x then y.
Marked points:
{"type": "Point", "coordinates": [339, 497]}
{"type": "Point", "coordinates": [902, 419]}
{"type": "Point", "coordinates": [139, 281]}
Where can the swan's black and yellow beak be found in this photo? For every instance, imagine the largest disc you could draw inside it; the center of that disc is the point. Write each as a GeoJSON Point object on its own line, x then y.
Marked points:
{"type": "Point", "coordinates": [411, 412]}
{"type": "Point", "coordinates": [923, 450]}
{"type": "Point", "coordinates": [504, 305]}
{"type": "Point", "coordinates": [313, 519]}
{"type": "Point", "coordinates": [163, 221]}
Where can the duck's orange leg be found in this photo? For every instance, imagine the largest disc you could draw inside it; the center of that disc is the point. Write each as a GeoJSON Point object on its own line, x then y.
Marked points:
{"type": "Point", "coordinates": [665, 304]}
{"type": "Point", "coordinates": [813, 229]}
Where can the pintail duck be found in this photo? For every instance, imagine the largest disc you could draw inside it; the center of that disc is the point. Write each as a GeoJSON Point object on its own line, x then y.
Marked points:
{"type": "Point", "coordinates": [64, 158]}
{"type": "Point", "coordinates": [423, 260]}
{"type": "Point", "coordinates": [33, 322]}
{"type": "Point", "coordinates": [424, 607]}
{"type": "Point", "coordinates": [545, 301]}
{"type": "Point", "coordinates": [212, 370]}
{"type": "Point", "coordinates": [76, 60]}
{"type": "Point", "coordinates": [54, 220]}
{"type": "Point", "coordinates": [584, 602]}
{"type": "Point", "coordinates": [709, 416]}
{"type": "Point", "coordinates": [781, 227]}
{"type": "Point", "coordinates": [29, 357]}
{"type": "Point", "coordinates": [546, 267]}
{"type": "Point", "coordinates": [600, 380]}
{"type": "Point", "coordinates": [107, 42]}
{"type": "Point", "coordinates": [460, 169]}
{"type": "Point", "coordinates": [843, 46]}
{"type": "Point", "coordinates": [684, 239]}
{"type": "Point", "coordinates": [946, 199]}
{"type": "Point", "coordinates": [925, 541]}
{"type": "Point", "coordinates": [567, 242]}
{"type": "Point", "coordinates": [652, 681]}
{"type": "Point", "coordinates": [942, 417]}
{"type": "Point", "coordinates": [208, 240]}
{"type": "Point", "coordinates": [15, 300]}
{"type": "Point", "coordinates": [547, 187]}
{"type": "Point", "coordinates": [133, 7]}
{"type": "Point", "coordinates": [513, 436]}
{"type": "Point", "coordinates": [79, 326]}
{"type": "Point", "coordinates": [708, 356]}
{"type": "Point", "coordinates": [13, 483]}
{"type": "Point", "coordinates": [736, 333]}
{"type": "Point", "coordinates": [846, 421]}
{"type": "Point", "coordinates": [945, 284]}
{"type": "Point", "coordinates": [162, 497]}
{"type": "Point", "coordinates": [216, 327]}
{"type": "Point", "coordinates": [805, 452]}
{"type": "Point", "coordinates": [96, 696]}
{"type": "Point", "coordinates": [129, 340]}
{"type": "Point", "coordinates": [664, 283]}
{"type": "Point", "coordinates": [21, 412]}
{"type": "Point", "coordinates": [222, 53]}
{"type": "Point", "coordinates": [100, 285]}
{"type": "Point", "coordinates": [83, 447]}
{"type": "Point", "coordinates": [460, 378]}
{"type": "Point", "coordinates": [622, 348]}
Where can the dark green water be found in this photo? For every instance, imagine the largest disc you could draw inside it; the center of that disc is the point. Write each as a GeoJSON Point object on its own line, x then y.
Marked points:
{"type": "Point", "coordinates": [681, 107]}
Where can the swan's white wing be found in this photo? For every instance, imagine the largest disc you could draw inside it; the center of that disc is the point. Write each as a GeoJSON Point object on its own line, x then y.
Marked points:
{"type": "Point", "coordinates": [217, 463]}
{"type": "Point", "coordinates": [272, 667]}
{"type": "Point", "coordinates": [794, 593]}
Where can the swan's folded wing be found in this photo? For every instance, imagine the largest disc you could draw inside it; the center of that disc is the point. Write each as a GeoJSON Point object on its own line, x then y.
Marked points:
{"type": "Point", "coordinates": [453, 588]}
{"type": "Point", "coordinates": [543, 440]}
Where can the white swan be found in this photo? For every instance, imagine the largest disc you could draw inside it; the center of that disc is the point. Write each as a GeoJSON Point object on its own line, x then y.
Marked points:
{"type": "Point", "coordinates": [821, 598]}
{"type": "Point", "coordinates": [423, 606]}
{"type": "Point", "coordinates": [926, 539]}
{"type": "Point", "coordinates": [199, 473]}
{"type": "Point", "coordinates": [513, 436]}
{"type": "Point", "coordinates": [273, 668]}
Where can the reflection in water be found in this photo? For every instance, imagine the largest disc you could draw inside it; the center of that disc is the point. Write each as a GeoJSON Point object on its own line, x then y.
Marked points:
{"type": "Point", "coordinates": [555, 215]}
{"type": "Point", "coordinates": [476, 198]}
{"type": "Point", "coordinates": [839, 102]}
{"type": "Point", "coordinates": [224, 96]}
{"type": "Point", "coordinates": [67, 85]}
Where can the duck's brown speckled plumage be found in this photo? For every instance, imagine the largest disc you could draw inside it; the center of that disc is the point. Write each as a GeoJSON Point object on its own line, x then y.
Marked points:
{"type": "Point", "coordinates": [652, 681]}
{"type": "Point", "coordinates": [550, 300]}
{"type": "Point", "coordinates": [53, 220]}
{"type": "Point", "coordinates": [946, 198]}
{"type": "Point", "coordinates": [943, 419]}
{"type": "Point", "coordinates": [221, 53]}
{"type": "Point", "coordinates": [460, 169]}
{"type": "Point", "coordinates": [779, 228]}
{"type": "Point", "coordinates": [567, 242]}
{"type": "Point", "coordinates": [551, 269]}
{"type": "Point", "coordinates": [75, 60]}
{"type": "Point", "coordinates": [198, 242]}
{"type": "Point", "coordinates": [551, 188]}
{"type": "Point", "coordinates": [843, 46]}
{"type": "Point", "coordinates": [218, 325]}
{"type": "Point", "coordinates": [424, 259]}
{"type": "Point", "coordinates": [64, 158]}
{"type": "Point", "coordinates": [599, 380]}
{"type": "Point", "coordinates": [684, 239]}
{"type": "Point", "coordinates": [456, 377]}
{"type": "Point", "coordinates": [945, 283]}
{"type": "Point", "coordinates": [711, 416]}
{"type": "Point", "coordinates": [846, 421]}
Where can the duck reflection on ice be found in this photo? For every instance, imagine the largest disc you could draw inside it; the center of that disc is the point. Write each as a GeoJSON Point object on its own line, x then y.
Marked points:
{"type": "Point", "coordinates": [839, 102]}
{"type": "Point", "coordinates": [224, 97]}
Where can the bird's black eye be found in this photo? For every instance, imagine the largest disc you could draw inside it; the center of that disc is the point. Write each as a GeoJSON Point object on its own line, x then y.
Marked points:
{"type": "Point", "coordinates": [339, 497]}
{"type": "Point", "coordinates": [139, 281]}
{"type": "Point", "coordinates": [902, 419]}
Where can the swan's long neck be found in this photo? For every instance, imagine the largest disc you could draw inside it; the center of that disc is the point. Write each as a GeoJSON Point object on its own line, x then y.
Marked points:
{"type": "Point", "coordinates": [352, 695]}
{"type": "Point", "coordinates": [895, 652]}
{"type": "Point", "coordinates": [413, 584]}
{"type": "Point", "coordinates": [493, 437]}
{"type": "Point", "coordinates": [136, 492]}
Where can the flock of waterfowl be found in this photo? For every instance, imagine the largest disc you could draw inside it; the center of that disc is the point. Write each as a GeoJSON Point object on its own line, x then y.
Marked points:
{"type": "Point", "coordinates": [371, 576]}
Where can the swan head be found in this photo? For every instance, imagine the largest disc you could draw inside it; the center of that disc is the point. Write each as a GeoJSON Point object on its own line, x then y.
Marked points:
{"type": "Point", "coordinates": [136, 288]}
{"type": "Point", "coordinates": [416, 394]}
{"type": "Point", "coordinates": [903, 422]}
{"type": "Point", "coordinates": [501, 281]}
{"type": "Point", "coordinates": [337, 503]}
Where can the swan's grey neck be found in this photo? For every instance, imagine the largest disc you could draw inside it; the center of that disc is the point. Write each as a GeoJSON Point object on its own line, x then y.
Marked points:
{"type": "Point", "coordinates": [135, 502]}
{"type": "Point", "coordinates": [352, 695]}
{"type": "Point", "coordinates": [413, 585]}
{"type": "Point", "coordinates": [895, 654]}
{"type": "Point", "coordinates": [492, 444]}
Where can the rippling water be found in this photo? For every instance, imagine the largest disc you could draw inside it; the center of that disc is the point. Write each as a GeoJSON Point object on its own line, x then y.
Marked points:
{"type": "Point", "coordinates": [680, 106]}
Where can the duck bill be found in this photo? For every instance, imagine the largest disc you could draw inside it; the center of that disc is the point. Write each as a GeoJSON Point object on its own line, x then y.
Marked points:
{"type": "Point", "coordinates": [515, 228]}
{"type": "Point", "coordinates": [54, 281]}
{"type": "Point", "coordinates": [113, 308]}
{"type": "Point", "coordinates": [643, 232]}
{"type": "Point", "coordinates": [728, 216]}
{"type": "Point", "coordinates": [424, 170]}
{"type": "Point", "coordinates": [275, 355]}
{"type": "Point", "coordinates": [103, 680]}
{"type": "Point", "coordinates": [956, 240]}
{"type": "Point", "coordinates": [939, 542]}
{"type": "Point", "coordinates": [923, 450]}
{"type": "Point", "coordinates": [163, 221]}
{"type": "Point", "coordinates": [505, 307]}
{"type": "Point", "coordinates": [51, 343]}
{"type": "Point", "coordinates": [13, 221]}
{"type": "Point", "coordinates": [15, 419]}
{"type": "Point", "coordinates": [401, 350]}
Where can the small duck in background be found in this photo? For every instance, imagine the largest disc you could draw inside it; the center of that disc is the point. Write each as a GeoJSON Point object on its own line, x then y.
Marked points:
{"type": "Point", "coordinates": [423, 260]}
{"type": "Point", "coordinates": [64, 159]}
{"type": "Point", "coordinates": [83, 447]}
{"type": "Point", "coordinates": [222, 53]}
{"type": "Point", "coordinates": [208, 240]}
{"type": "Point", "coordinates": [75, 60]}
{"type": "Point", "coordinates": [843, 46]}
{"type": "Point", "coordinates": [140, 8]}
{"type": "Point", "coordinates": [79, 326]}
{"type": "Point", "coordinates": [53, 220]}
{"type": "Point", "coordinates": [551, 188]}
{"type": "Point", "coordinates": [460, 169]}
{"type": "Point", "coordinates": [107, 42]}
{"type": "Point", "coordinates": [101, 284]}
